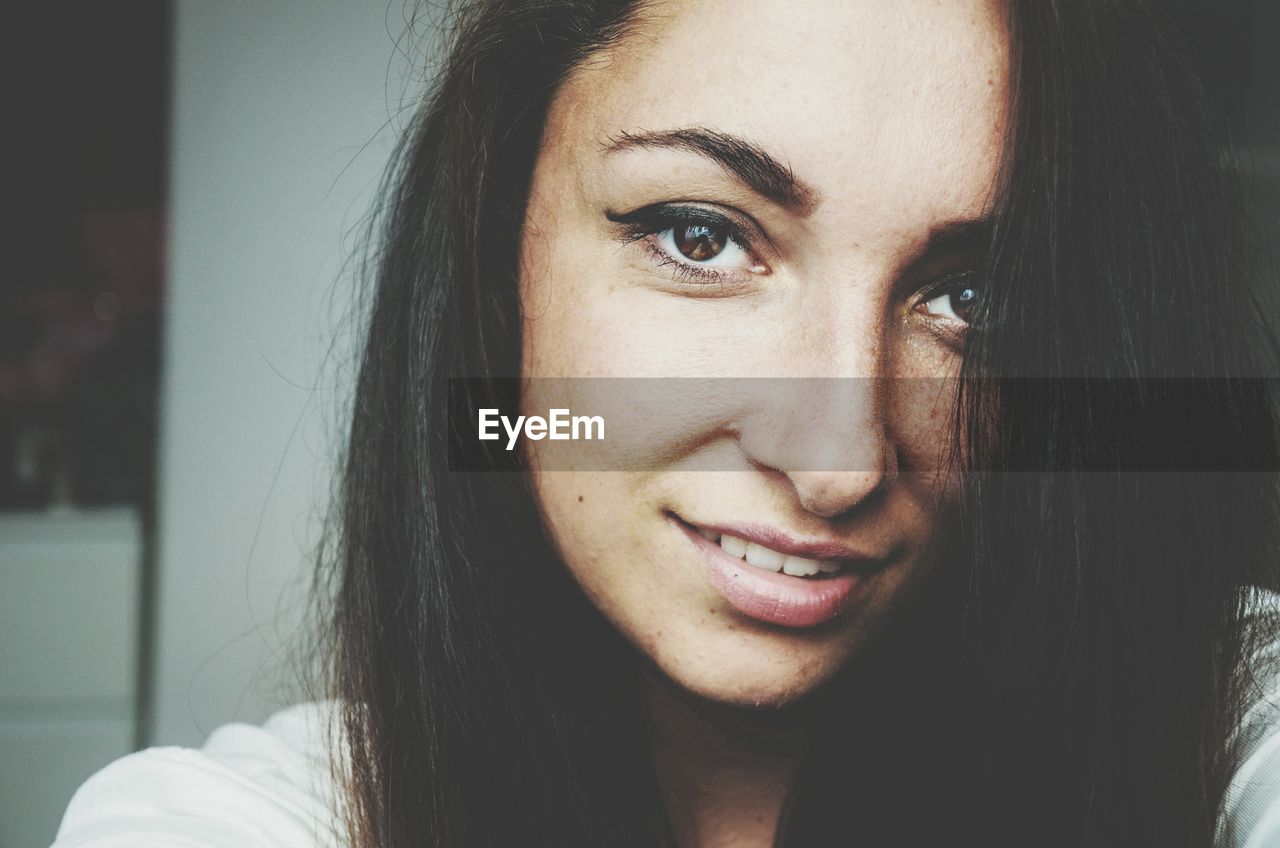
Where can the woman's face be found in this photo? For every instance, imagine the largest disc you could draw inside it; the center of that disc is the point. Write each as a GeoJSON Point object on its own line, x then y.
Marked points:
{"type": "Point", "coordinates": [738, 194]}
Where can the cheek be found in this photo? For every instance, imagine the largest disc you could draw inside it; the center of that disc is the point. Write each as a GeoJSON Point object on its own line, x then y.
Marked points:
{"type": "Point", "coordinates": [922, 419]}
{"type": "Point", "coordinates": [602, 527]}
{"type": "Point", "coordinates": [923, 391]}
{"type": "Point", "coordinates": [571, 505]}
{"type": "Point", "coordinates": [578, 324]}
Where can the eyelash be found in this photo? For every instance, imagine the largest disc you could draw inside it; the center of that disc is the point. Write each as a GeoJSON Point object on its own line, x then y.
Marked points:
{"type": "Point", "coordinates": [642, 225]}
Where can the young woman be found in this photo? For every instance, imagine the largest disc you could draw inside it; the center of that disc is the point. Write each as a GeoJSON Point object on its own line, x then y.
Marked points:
{"type": "Point", "coordinates": [942, 513]}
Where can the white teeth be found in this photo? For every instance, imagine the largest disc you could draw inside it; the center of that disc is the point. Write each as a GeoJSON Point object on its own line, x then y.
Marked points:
{"type": "Point", "coordinates": [800, 567]}
{"type": "Point", "coordinates": [762, 557]}
{"type": "Point", "coordinates": [768, 559]}
{"type": "Point", "coordinates": [733, 546]}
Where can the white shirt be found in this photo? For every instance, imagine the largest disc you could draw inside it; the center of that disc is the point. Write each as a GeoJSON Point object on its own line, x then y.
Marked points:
{"type": "Point", "coordinates": [248, 787]}
{"type": "Point", "coordinates": [1252, 805]}
{"type": "Point", "coordinates": [272, 787]}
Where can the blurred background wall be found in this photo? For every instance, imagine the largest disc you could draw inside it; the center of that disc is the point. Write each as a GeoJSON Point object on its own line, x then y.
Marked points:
{"type": "Point", "coordinates": [280, 131]}
{"type": "Point", "coordinates": [155, 607]}
{"type": "Point", "coordinates": [86, 93]}
{"type": "Point", "coordinates": [187, 186]}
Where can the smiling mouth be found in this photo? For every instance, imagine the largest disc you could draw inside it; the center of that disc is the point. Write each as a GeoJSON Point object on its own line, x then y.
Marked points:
{"type": "Point", "coordinates": [754, 552]}
{"type": "Point", "coordinates": [767, 559]}
{"type": "Point", "coordinates": [774, 577]}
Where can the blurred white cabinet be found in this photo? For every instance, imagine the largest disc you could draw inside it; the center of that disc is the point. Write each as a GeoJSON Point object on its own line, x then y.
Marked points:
{"type": "Point", "coordinates": [70, 589]}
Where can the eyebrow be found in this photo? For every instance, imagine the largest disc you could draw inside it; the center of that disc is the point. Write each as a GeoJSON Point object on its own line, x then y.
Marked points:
{"type": "Point", "coordinates": [747, 161]}
{"type": "Point", "coordinates": [960, 236]}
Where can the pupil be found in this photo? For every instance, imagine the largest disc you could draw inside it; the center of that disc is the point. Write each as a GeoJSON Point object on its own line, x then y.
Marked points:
{"type": "Point", "coordinates": [699, 242]}
{"type": "Point", "coordinates": [963, 300]}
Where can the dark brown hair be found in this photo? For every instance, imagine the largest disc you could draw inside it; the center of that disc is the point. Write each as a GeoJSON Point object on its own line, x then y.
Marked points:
{"type": "Point", "coordinates": [1075, 678]}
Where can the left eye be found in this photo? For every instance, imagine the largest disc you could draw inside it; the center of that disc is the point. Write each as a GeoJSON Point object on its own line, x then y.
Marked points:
{"type": "Point", "coordinates": [706, 244]}
{"type": "Point", "coordinates": [952, 302]}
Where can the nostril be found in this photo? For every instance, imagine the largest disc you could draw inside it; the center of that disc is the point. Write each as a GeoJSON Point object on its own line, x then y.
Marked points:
{"type": "Point", "coordinates": [831, 493]}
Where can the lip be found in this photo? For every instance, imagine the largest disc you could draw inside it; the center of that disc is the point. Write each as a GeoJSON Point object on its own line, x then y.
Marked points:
{"type": "Point", "coordinates": [777, 598]}
{"type": "Point", "coordinates": [785, 543]}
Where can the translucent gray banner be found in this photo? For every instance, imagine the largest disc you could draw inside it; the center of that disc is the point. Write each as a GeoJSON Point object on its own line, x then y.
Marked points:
{"type": "Point", "coordinates": [881, 425]}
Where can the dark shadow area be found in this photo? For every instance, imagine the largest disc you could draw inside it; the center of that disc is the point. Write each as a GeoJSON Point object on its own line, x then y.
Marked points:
{"type": "Point", "coordinates": [82, 252]}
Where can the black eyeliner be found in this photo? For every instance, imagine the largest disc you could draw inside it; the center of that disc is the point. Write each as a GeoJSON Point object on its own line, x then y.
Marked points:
{"type": "Point", "coordinates": [658, 217]}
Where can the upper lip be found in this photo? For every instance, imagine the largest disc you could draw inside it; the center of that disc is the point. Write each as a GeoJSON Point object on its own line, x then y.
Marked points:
{"type": "Point", "coordinates": [786, 543]}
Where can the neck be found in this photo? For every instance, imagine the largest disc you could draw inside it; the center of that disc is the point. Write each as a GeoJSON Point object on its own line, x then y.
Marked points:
{"type": "Point", "coordinates": [724, 772]}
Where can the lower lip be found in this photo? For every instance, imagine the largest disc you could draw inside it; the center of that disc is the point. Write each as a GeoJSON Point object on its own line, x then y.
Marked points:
{"type": "Point", "coordinates": [774, 597]}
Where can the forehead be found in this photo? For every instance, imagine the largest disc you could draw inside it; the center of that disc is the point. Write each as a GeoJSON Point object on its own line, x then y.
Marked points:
{"type": "Point", "coordinates": [889, 108]}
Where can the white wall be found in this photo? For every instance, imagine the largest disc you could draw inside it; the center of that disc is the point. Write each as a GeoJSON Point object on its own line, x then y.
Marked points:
{"type": "Point", "coordinates": [278, 137]}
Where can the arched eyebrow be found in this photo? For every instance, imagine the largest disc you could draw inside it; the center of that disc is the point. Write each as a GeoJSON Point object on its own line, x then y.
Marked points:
{"type": "Point", "coordinates": [963, 236]}
{"type": "Point", "coordinates": [745, 160]}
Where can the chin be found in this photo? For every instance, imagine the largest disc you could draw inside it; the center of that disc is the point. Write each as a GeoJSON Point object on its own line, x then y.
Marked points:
{"type": "Point", "coordinates": [755, 680]}
{"type": "Point", "coordinates": [755, 694]}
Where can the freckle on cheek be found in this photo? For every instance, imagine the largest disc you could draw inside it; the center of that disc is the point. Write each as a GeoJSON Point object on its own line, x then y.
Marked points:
{"type": "Point", "coordinates": [579, 498]}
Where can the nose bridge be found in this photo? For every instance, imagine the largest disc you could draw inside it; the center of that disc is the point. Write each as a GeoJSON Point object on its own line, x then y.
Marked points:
{"type": "Point", "coordinates": [844, 327]}
{"type": "Point", "coordinates": [847, 353]}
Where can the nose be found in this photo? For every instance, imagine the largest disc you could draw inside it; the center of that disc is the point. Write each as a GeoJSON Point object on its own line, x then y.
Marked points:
{"type": "Point", "coordinates": [827, 436]}
{"type": "Point", "coordinates": [830, 433]}
{"type": "Point", "coordinates": [832, 493]}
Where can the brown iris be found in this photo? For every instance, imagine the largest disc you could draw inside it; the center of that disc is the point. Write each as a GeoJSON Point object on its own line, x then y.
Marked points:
{"type": "Point", "coordinates": [700, 242]}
